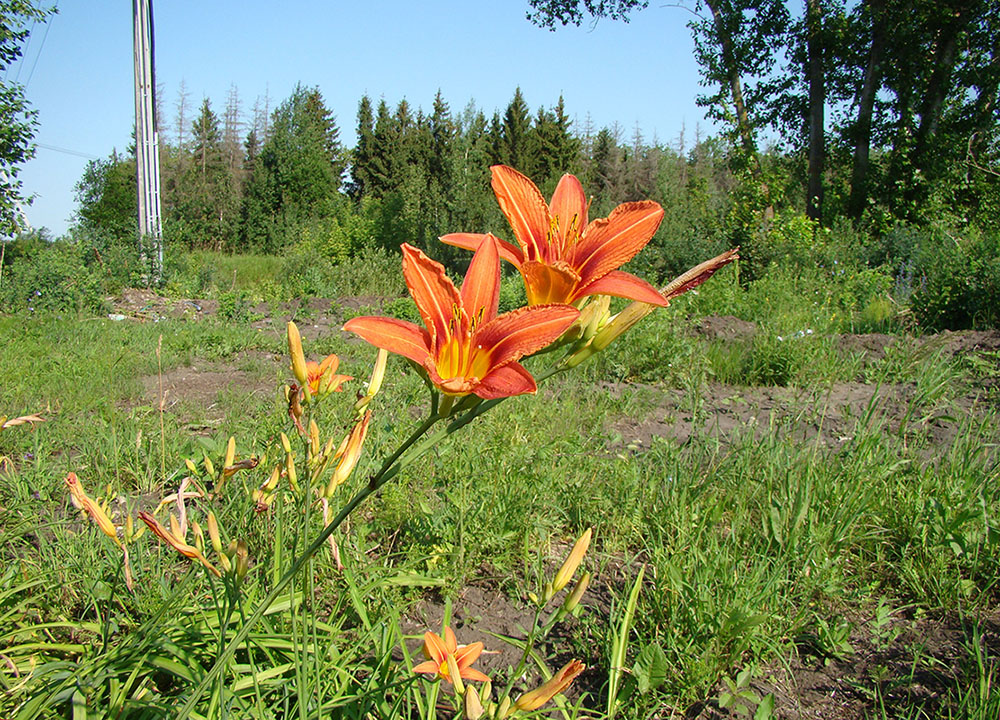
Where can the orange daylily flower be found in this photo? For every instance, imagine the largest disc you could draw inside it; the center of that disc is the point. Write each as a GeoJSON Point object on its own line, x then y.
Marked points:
{"type": "Point", "coordinates": [556, 684]}
{"type": "Point", "coordinates": [561, 256]}
{"type": "Point", "coordinates": [322, 377]}
{"type": "Point", "coordinates": [176, 542]}
{"type": "Point", "coordinates": [437, 651]}
{"type": "Point", "coordinates": [466, 347]}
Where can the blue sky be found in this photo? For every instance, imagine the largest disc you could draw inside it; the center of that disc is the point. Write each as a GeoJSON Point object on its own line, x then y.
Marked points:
{"type": "Point", "coordinates": [79, 70]}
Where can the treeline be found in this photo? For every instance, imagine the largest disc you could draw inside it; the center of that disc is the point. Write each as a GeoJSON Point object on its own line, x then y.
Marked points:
{"type": "Point", "coordinates": [288, 178]}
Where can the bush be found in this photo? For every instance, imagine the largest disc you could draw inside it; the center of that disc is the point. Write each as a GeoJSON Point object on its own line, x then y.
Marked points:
{"type": "Point", "coordinates": [56, 276]}
{"type": "Point", "coordinates": [957, 282]}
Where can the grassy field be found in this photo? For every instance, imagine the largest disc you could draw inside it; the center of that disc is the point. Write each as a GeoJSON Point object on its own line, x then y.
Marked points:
{"type": "Point", "coordinates": [790, 519]}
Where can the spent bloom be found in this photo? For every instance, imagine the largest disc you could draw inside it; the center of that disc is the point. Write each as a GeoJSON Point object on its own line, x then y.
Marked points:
{"type": "Point", "coordinates": [465, 346]}
{"type": "Point", "coordinates": [555, 685]}
{"type": "Point", "coordinates": [561, 255]}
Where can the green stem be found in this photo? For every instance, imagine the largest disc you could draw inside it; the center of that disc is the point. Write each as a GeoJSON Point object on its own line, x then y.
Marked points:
{"type": "Point", "coordinates": [390, 468]}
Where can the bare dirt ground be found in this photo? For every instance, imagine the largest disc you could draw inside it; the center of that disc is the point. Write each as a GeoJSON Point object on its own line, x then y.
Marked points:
{"type": "Point", "coordinates": [805, 686]}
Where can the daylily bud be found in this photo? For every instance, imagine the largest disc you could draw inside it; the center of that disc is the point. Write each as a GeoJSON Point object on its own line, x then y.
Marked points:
{"type": "Point", "coordinates": [378, 373]}
{"type": "Point", "coordinates": [242, 559]}
{"type": "Point", "coordinates": [272, 482]}
{"type": "Point", "coordinates": [293, 478]}
{"type": "Point", "coordinates": [314, 437]}
{"type": "Point", "coordinates": [209, 467]}
{"type": "Point", "coordinates": [473, 705]}
{"type": "Point", "coordinates": [175, 527]}
{"type": "Point", "coordinates": [559, 682]}
{"type": "Point", "coordinates": [285, 444]}
{"type": "Point", "coordinates": [82, 501]}
{"type": "Point", "coordinates": [573, 599]}
{"type": "Point", "coordinates": [226, 563]}
{"type": "Point", "coordinates": [350, 453]}
{"type": "Point", "coordinates": [573, 560]}
{"type": "Point", "coordinates": [176, 541]}
{"type": "Point", "coordinates": [601, 315]}
{"type": "Point", "coordinates": [620, 323]}
{"type": "Point", "coordinates": [230, 452]}
{"type": "Point", "coordinates": [298, 357]}
{"type": "Point", "coordinates": [213, 533]}
{"type": "Point", "coordinates": [199, 537]}
{"type": "Point", "coordinates": [192, 468]}
{"type": "Point", "coordinates": [454, 674]}
{"type": "Point", "coordinates": [504, 709]}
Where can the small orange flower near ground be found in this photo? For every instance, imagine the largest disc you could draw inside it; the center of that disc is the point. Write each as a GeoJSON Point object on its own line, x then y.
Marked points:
{"type": "Point", "coordinates": [322, 376]}
{"type": "Point", "coordinates": [437, 650]}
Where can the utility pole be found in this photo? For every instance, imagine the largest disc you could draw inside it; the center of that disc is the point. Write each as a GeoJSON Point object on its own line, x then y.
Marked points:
{"type": "Point", "coordinates": [147, 144]}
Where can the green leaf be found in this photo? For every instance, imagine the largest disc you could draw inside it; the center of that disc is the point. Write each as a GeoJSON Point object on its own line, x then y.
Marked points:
{"type": "Point", "coordinates": [650, 668]}
{"type": "Point", "coordinates": [765, 711]}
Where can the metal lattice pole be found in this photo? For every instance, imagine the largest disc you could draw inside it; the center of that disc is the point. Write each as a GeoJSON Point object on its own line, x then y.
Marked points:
{"type": "Point", "coordinates": [147, 155]}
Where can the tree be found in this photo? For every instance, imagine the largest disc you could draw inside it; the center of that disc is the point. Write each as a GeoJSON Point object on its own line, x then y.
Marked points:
{"type": "Point", "coordinates": [17, 120]}
{"type": "Point", "coordinates": [298, 173]}
{"type": "Point", "coordinates": [516, 146]}
{"type": "Point", "coordinates": [361, 157]}
{"type": "Point", "coordinates": [106, 198]}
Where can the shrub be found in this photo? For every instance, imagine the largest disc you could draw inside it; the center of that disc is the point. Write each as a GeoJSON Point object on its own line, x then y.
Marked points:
{"type": "Point", "coordinates": [957, 282]}
{"type": "Point", "coordinates": [52, 276]}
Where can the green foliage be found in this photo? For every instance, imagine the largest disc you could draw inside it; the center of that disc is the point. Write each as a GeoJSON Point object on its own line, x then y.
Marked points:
{"type": "Point", "coordinates": [17, 19]}
{"type": "Point", "coordinates": [53, 276]}
{"type": "Point", "coordinates": [958, 283]}
{"type": "Point", "coordinates": [106, 197]}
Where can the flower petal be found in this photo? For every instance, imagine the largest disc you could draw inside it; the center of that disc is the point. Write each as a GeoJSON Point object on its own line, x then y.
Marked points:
{"type": "Point", "coordinates": [481, 287]}
{"type": "Point", "coordinates": [524, 331]}
{"type": "Point", "coordinates": [432, 291]}
{"type": "Point", "coordinates": [473, 674]}
{"type": "Point", "coordinates": [569, 204]}
{"type": "Point", "coordinates": [450, 643]}
{"type": "Point", "coordinates": [397, 336]}
{"type": "Point", "coordinates": [506, 381]}
{"type": "Point", "coordinates": [621, 284]}
{"type": "Point", "coordinates": [545, 284]}
{"type": "Point", "coordinates": [472, 241]}
{"type": "Point", "coordinates": [467, 655]}
{"type": "Point", "coordinates": [434, 648]}
{"type": "Point", "coordinates": [611, 242]}
{"type": "Point", "coordinates": [428, 666]}
{"type": "Point", "coordinates": [524, 207]}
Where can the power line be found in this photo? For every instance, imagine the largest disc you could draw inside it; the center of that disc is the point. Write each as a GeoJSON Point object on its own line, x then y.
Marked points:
{"type": "Point", "coordinates": [24, 50]}
{"type": "Point", "coordinates": [52, 19]}
{"type": "Point", "coordinates": [67, 151]}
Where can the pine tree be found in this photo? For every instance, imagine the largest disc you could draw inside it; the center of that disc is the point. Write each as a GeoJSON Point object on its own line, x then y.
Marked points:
{"type": "Point", "coordinates": [517, 145]}
{"type": "Point", "coordinates": [361, 184]}
{"type": "Point", "coordinates": [298, 174]}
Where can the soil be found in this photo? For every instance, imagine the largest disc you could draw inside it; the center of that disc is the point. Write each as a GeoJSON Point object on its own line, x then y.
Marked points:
{"type": "Point", "coordinates": [807, 685]}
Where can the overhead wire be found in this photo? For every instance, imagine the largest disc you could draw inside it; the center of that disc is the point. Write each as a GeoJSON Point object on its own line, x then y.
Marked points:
{"type": "Point", "coordinates": [52, 19]}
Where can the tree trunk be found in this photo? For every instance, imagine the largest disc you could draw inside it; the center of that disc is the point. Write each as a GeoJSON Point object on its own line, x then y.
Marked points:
{"type": "Point", "coordinates": [735, 87]}
{"type": "Point", "coordinates": [945, 55]}
{"type": "Point", "coordinates": [866, 105]}
{"type": "Point", "coordinates": [817, 99]}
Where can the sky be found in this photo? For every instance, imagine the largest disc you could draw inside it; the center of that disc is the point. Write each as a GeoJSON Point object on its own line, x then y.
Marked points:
{"type": "Point", "coordinates": [77, 70]}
